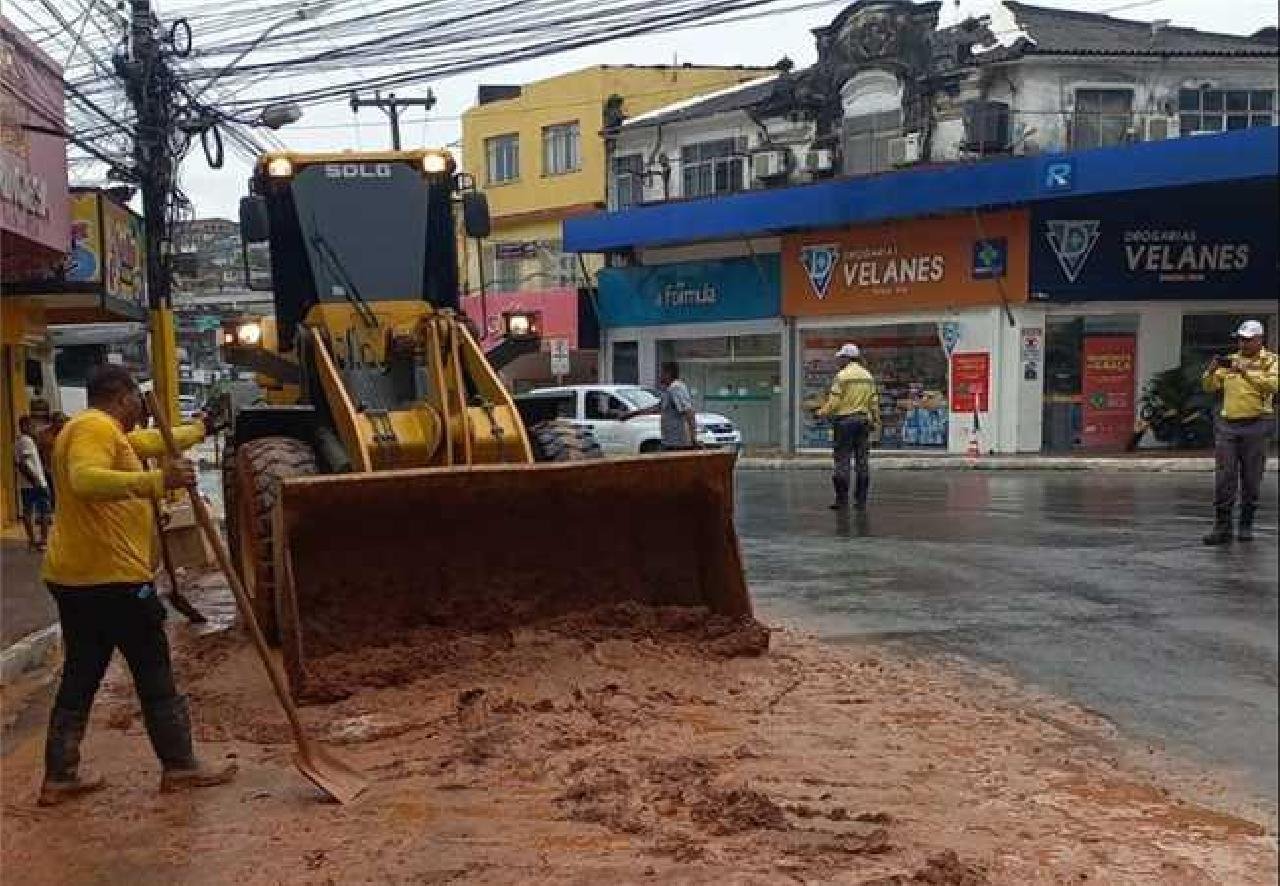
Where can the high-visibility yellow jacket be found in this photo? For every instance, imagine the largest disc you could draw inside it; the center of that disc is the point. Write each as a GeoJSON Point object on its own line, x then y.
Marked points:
{"type": "Point", "coordinates": [103, 529]}
{"type": "Point", "coordinates": [853, 390]}
{"type": "Point", "coordinates": [1249, 389]}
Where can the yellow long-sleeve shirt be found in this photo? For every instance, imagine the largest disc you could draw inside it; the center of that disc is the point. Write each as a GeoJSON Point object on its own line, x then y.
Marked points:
{"type": "Point", "coordinates": [853, 390]}
{"type": "Point", "coordinates": [103, 530]}
{"type": "Point", "coordinates": [1249, 392]}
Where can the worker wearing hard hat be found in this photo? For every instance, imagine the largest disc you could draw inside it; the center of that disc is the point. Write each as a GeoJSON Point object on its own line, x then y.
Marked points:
{"type": "Point", "coordinates": [853, 406]}
{"type": "Point", "coordinates": [1247, 381]}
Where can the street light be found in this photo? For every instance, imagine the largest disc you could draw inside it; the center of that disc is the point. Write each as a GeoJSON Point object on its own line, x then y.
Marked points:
{"type": "Point", "coordinates": [304, 12]}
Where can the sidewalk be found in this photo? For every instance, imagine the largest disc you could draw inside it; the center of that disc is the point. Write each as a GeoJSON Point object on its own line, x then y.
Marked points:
{"type": "Point", "coordinates": [1137, 462]}
{"type": "Point", "coordinates": [28, 619]}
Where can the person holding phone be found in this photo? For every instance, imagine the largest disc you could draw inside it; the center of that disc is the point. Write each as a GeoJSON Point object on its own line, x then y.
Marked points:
{"type": "Point", "coordinates": [1247, 381]}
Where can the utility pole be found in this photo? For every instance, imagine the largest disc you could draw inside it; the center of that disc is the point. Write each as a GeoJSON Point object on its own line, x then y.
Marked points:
{"type": "Point", "coordinates": [391, 106]}
{"type": "Point", "coordinates": [152, 88]}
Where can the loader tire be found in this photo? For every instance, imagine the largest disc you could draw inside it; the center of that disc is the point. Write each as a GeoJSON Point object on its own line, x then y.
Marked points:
{"type": "Point", "coordinates": [260, 466]}
{"type": "Point", "coordinates": [229, 499]}
{"type": "Point", "coordinates": [559, 440]}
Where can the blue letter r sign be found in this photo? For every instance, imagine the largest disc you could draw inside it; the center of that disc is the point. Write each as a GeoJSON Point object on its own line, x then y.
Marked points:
{"type": "Point", "coordinates": [1059, 175]}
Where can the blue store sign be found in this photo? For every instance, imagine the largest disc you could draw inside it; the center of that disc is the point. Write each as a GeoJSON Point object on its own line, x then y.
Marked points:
{"type": "Point", "coordinates": [1188, 243]}
{"type": "Point", "coordinates": [691, 292]}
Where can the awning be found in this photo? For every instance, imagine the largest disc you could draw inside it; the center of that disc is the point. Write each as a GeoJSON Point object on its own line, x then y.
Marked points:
{"type": "Point", "coordinates": [957, 187]}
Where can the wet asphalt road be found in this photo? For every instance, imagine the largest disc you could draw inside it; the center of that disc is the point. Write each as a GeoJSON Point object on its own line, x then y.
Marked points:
{"type": "Point", "coordinates": [1091, 585]}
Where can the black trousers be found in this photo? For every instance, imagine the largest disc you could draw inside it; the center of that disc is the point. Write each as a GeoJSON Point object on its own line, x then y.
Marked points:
{"type": "Point", "coordinates": [851, 454]}
{"type": "Point", "coordinates": [1240, 457]}
{"type": "Point", "coordinates": [98, 620]}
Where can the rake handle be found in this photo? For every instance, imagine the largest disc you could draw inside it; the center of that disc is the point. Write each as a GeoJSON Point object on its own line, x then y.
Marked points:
{"type": "Point", "coordinates": [205, 519]}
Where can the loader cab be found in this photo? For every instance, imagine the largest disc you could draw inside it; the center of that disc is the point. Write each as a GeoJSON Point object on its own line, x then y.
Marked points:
{"type": "Point", "coordinates": [356, 230]}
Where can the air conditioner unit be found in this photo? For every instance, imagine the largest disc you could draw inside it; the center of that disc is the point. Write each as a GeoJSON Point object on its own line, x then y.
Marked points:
{"type": "Point", "coordinates": [1157, 129]}
{"type": "Point", "coordinates": [904, 150]}
{"type": "Point", "coordinates": [820, 161]}
{"type": "Point", "coordinates": [770, 164]}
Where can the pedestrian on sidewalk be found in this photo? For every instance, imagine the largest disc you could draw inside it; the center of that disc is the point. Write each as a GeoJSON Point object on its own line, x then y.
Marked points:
{"type": "Point", "coordinates": [678, 420]}
{"type": "Point", "coordinates": [100, 567]}
{"type": "Point", "coordinates": [33, 486]}
{"type": "Point", "coordinates": [853, 407]}
{"type": "Point", "coordinates": [1247, 381]}
{"type": "Point", "coordinates": [46, 437]}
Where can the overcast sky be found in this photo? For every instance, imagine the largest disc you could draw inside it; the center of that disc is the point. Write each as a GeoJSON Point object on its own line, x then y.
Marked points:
{"type": "Point", "coordinates": [759, 42]}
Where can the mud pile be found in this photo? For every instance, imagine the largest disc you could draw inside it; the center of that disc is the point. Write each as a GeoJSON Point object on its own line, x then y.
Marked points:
{"type": "Point", "coordinates": [621, 748]}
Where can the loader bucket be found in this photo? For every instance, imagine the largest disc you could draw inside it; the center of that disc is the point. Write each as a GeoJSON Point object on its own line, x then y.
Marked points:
{"type": "Point", "coordinates": [383, 571]}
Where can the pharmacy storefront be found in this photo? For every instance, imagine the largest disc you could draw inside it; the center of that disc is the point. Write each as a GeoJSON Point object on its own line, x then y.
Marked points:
{"type": "Point", "coordinates": [1133, 285]}
{"type": "Point", "coordinates": [929, 303]}
{"type": "Point", "coordinates": [720, 320]}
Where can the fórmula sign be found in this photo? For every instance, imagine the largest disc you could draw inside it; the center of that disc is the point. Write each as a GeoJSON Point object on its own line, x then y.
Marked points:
{"type": "Point", "coordinates": [935, 263]}
{"type": "Point", "coordinates": [1191, 243]}
{"type": "Point", "coordinates": [690, 292]}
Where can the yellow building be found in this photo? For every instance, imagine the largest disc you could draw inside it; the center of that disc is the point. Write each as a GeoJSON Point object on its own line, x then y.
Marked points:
{"type": "Point", "coordinates": [538, 151]}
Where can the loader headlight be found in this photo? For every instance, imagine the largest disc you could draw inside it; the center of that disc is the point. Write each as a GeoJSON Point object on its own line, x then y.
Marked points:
{"type": "Point", "coordinates": [520, 325]}
{"type": "Point", "coordinates": [249, 334]}
{"type": "Point", "coordinates": [279, 167]}
{"type": "Point", "coordinates": [434, 164]}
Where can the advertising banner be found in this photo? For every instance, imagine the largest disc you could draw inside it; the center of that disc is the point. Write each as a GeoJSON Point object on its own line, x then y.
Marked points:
{"type": "Point", "coordinates": [690, 292]}
{"type": "Point", "coordinates": [84, 264]}
{"type": "Point", "coordinates": [959, 261]}
{"type": "Point", "coordinates": [1191, 243]}
{"type": "Point", "coordinates": [970, 381]}
{"type": "Point", "coordinates": [1108, 390]}
{"type": "Point", "coordinates": [125, 267]}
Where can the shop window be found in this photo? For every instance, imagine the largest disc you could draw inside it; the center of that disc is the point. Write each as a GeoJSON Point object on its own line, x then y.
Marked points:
{"type": "Point", "coordinates": [502, 157]}
{"type": "Point", "coordinates": [1102, 118]}
{"type": "Point", "coordinates": [910, 368]}
{"type": "Point", "coordinates": [626, 363]}
{"type": "Point", "coordinates": [739, 377]}
{"type": "Point", "coordinates": [1069, 422]}
{"type": "Point", "coordinates": [561, 149]}
{"type": "Point", "coordinates": [713, 167]}
{"type": "Point", "coordinates": [1218, 110]}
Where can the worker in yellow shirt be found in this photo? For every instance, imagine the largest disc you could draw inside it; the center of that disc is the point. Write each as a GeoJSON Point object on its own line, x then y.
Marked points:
{"type": "Point", "coordinates": [99, 568]}
{"type": "Point", "coordinates": [853, 407]}
{"type": "Point", "coordinates": [1247, 381]}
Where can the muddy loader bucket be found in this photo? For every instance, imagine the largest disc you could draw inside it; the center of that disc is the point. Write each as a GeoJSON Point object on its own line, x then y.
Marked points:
{"type": "Point", "coordinates": [384, 572]}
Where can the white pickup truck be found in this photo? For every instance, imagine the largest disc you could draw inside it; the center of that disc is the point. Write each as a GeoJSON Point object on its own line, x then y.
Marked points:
{"type": "Point", "coordinates": [597, 408]}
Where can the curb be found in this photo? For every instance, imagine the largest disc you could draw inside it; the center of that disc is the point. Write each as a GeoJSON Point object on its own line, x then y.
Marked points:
{"type": "Point", "coordinates": [998, 463]}
{"type": "Point", "coordinates": [28, 653]}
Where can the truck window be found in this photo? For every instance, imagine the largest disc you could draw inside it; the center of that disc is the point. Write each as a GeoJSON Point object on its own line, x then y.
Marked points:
{"type": "Point", "coordinates": [598, 405]}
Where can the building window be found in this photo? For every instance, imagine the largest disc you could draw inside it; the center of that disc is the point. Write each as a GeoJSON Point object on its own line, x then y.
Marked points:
{"type": "Point", "coordinates": [502, 153]}
{"type": "Point", "coordinates": [1103, 117]}
{"type": "Point", "coordinates": [911, 370]}
{"type": "Point", "coordinates": [627, 181]}
{"type": "Point", "coordinates": [871, 103]}
{"type": "Point", "coordinates": [1218, 110]}
{"type": "Point", "coordinates": [561, 149]}
{"type": "Point", "coordinates": [714, 167]}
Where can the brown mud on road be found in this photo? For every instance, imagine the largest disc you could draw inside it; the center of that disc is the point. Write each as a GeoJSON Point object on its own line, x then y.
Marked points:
{"type": "Point", "coordinates": [633, 747]}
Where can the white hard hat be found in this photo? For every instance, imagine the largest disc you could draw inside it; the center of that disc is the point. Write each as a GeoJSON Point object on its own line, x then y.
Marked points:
{"type": "Point", "coordinates": [1250, 329]}
{"type": "Point", "coordinates": [850, 351]}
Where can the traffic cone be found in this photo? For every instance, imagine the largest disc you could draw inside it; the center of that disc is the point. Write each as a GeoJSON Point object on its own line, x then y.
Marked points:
{"type": "Point", "coordinates": [974, 451]}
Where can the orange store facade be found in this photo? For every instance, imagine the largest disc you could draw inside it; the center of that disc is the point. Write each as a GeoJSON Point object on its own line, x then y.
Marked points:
{"type": "Point", "coordinates": [939, 307]}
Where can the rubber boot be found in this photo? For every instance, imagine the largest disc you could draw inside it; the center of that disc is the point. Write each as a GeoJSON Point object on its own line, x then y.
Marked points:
{"type": "Point", "coordinates": [841, 487]}
{"type": "Point", "coordinates": [169, 728]}
{"type": "Point", "coordinates": [1245, 531]}
{"type": "Point", "coordinates": [1221, 533]}
{"type": "Point", "coordinates": [862, 486]}
{"type": "Point", "coordinates": [62, 780]}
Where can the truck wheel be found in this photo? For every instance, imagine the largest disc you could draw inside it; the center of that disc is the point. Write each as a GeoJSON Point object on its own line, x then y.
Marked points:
{"type": "Point", "coordinates": [559, 440]}
{"type": "Point", "coordinates": [260, 466]}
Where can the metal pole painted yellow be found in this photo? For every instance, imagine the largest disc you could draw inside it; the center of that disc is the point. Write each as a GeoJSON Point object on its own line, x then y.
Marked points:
{"type": "Point", "coordinates": [164, 362]}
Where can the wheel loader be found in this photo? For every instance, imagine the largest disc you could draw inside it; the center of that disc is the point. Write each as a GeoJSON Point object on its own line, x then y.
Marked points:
{"type": "Point", "coordinates": [387, 490]}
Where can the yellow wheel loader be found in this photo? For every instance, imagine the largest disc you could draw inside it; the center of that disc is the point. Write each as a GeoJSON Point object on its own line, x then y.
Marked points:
{"type": "Point", "coordinates": [388, 490]}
